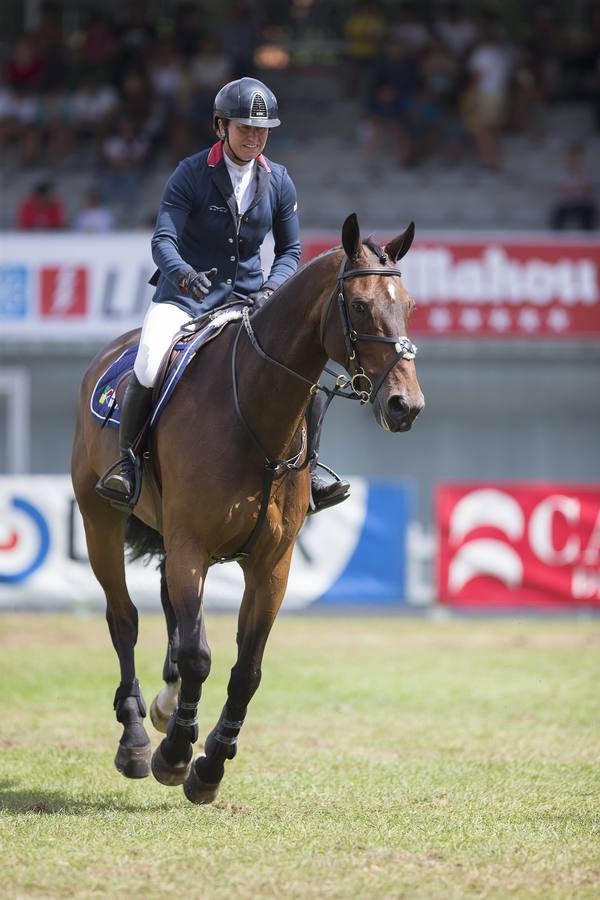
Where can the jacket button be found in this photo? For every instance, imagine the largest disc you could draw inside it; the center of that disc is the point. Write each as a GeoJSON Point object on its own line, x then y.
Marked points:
{"type": "Point", "coordinates": [228, 281]}
{"type": "Point", "coordinates": [232, 258]}
{"type": "Point", "coordinates": [230, 240]}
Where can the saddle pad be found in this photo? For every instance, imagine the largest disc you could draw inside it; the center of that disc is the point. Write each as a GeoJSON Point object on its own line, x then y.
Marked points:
{"type": "Point", "coordinates": [103, 401]}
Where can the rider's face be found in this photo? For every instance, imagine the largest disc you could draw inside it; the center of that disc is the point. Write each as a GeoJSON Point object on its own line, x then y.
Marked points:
{"type": "Point", "coordinates": [246, 141]}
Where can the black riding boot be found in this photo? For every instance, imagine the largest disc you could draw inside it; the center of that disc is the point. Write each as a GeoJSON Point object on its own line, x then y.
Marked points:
{"type": "Point", "coordinates": [323, 493]}
{"type": "Point", "coordinates": [121, 483]}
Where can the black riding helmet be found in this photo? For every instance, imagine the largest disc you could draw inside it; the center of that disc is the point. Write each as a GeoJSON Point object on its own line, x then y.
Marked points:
{"type": "Point", "coordinates": [248, 102]}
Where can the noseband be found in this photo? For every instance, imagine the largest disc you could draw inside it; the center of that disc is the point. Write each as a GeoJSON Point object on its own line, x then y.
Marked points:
{"type": "Point", "coordinates": [404, 347]}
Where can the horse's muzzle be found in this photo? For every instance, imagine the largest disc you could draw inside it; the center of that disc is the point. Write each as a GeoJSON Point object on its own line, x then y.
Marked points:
{"type": "Point", "coordinates": [400, 412]}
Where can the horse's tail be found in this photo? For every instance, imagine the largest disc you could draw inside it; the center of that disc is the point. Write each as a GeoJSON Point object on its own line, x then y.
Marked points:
{"type": "Point", "coordinates": [143, 541]}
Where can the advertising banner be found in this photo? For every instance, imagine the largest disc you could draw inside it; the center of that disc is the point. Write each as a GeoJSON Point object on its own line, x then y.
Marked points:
{"type": "Point", "coordinates": [351, 554]}
{"type": "Point", "coordinates": [67, 286]}
{"type": "Point", "coordinates": [519, 545]}
{"type": "Point", "coordinates": [498, 286]}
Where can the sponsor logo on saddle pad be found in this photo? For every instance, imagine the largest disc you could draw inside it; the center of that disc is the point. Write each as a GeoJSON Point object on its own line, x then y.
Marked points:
{"type": "Point", "coordinates": [107, 395]}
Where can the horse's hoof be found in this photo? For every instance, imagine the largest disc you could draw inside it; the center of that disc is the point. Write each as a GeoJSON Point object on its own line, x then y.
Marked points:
{"type": "Point", "coordinates": [163, 771]}
{"type": "Point", "coordinates": [133, 762]}
{"type": "Point", "coordinates": [198, 791]}
{"type": "Point", "coordinates": [158, 718]}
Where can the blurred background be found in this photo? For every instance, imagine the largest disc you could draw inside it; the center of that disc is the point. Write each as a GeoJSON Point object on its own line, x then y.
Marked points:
{"type": "Point", "coordinates": [479, 121]}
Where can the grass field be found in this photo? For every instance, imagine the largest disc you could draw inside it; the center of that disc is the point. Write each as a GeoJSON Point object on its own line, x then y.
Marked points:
{"type": "Point", "coordinates": [381, 758]}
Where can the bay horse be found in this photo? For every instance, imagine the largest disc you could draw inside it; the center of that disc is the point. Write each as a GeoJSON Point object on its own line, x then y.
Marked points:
{"type": "Point", "coordinates": [229, 451]}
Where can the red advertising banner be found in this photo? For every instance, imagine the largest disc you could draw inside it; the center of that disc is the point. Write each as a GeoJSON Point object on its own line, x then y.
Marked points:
{"type": "Point", "coordinates": [499, 287]}
{"type": "Point", "coordinates": [519, 545]}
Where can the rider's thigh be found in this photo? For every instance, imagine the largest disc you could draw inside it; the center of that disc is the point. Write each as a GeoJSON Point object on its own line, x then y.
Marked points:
{"type": "Point", "coordinates": [161, 324]}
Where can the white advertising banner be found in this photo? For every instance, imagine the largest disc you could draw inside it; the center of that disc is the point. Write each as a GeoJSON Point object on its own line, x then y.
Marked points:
{"type": "Point", "coordinates": [354, 553]}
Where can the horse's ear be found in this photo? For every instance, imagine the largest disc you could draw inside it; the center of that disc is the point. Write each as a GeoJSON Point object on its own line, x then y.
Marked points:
{"type": "Point", "coordinates": [400, 245]}
{"type": "Point", "coordinates": [351, 236]}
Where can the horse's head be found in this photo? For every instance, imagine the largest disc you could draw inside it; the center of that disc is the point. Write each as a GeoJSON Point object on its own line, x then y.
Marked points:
{"type": "Point", "coordinates": [367, 331]}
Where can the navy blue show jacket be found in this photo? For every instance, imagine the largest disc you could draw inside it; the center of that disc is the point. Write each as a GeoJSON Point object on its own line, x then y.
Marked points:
{"type": "Point", "coordinates": [198, 227]}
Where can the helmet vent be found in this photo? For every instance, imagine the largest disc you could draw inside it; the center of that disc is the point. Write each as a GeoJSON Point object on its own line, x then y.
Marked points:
{"type": "Point", "coordinates": [258, 107]}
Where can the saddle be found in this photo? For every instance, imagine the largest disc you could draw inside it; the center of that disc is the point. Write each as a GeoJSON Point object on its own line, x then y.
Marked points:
{"type": "Point", "coordinates": [110, 386]}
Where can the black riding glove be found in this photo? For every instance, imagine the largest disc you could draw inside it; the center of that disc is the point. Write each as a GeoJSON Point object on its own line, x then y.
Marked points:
{"type": "Point", "coordinates": [259, 298]}
{"type": "Point", "coordinates": [196, 284]}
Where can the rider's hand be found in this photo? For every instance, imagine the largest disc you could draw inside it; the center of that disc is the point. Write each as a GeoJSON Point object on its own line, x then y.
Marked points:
{"type": "Point", "coordinates": [196, 284]}
{"type": "Point", "coordinates": [259, 298]}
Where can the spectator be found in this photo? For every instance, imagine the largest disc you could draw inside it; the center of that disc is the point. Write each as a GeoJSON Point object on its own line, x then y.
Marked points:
{"type": "Point", "coordinates": [575, 204]}
{"type": "Point", "coordinates": [25, 66]}
{"type": "Point", "coordinates": [457, 30]}
{"type": "Point", "coordinates": [41, 210]}
{"type": "Point", "coordinates": [209, 69]}
{"type": "Point", "coordinates": [393, 85]}
{"type": "Point", "coordinates": [99, 46]}
{"type": "Point", "coordinates": [124, 152]}
{"type": "Point", "coordinates": [485, 101]}
{"type": "Point", "coordinates": [364, 33]}
{"type": "Point", "coordinates": [186, 29]}
{"type": "Point", "coordinates": [92, 104]}
{"type": "Point", "coordinates": [94, 216]}
{"type": "Point", "coordinates": [239, 38]}
{"type": "Point", "coordinates": [409, 28]}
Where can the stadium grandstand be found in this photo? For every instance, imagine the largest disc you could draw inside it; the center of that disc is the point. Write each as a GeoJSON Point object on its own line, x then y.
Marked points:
{"type": "Point", "coordinates": [437, 111]}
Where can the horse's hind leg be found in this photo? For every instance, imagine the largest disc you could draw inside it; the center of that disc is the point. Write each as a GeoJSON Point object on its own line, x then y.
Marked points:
{"type": "Point", "coordinates": [105, 531]}
{"type": "Point", "coordinates": [185, 572]}
{"type": "Point", "coordinates": [265, 588]}
{"type": "Point", "coordinates": [165, 701]}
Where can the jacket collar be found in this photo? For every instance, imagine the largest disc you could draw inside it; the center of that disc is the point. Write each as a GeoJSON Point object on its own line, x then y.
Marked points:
{"type": "Point", "coordinates": [220, 177]}
{"type": "Point", "coordinates": [215, 156]}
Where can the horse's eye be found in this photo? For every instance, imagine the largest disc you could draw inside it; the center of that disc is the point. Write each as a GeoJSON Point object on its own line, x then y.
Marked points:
{"type": "Point", "coordinates": [359, 306]}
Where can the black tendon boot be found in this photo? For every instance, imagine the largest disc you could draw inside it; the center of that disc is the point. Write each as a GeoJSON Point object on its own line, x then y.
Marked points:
{"type": "Point", "coordinates": [323, 493]}
{"type": "Point", "coordinates": [121, 483]}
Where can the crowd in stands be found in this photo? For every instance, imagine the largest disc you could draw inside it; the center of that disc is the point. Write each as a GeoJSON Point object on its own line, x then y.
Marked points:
{"type": "Point", "coordinates": [114, 92]}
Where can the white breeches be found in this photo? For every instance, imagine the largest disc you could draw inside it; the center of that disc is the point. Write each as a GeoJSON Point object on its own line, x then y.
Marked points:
{"type": "Point", "coordinates": [161, 324]}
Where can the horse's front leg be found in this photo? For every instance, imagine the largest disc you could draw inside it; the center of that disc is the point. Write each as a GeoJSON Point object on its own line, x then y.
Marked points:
{"type": "Point", "coordinates": [263, 595]}
{"type": "Point", "coordinates": [185, 574]}
{"type": "Point", "coordinates": [165, 701]}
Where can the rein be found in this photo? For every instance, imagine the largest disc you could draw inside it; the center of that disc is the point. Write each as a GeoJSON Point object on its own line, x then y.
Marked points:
{"type": "Point", "coordinates": [404, 347]}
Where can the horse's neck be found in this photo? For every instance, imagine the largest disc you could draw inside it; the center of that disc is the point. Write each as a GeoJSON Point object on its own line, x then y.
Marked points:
{"type": "Point", "coordinates": [288, 329]}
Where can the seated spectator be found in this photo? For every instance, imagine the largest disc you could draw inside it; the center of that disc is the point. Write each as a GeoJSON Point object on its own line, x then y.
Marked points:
{"type": "Point", "coordinates": [457, 30]}
{"type": "Point", "coordinates": [409, 27]}
{"type": "Point", "coordinates": [485, 100]}
{"type": "Point", "coordinates": [92, 104]}
{"type": "Point", "coordinates": [41, 210]}
{"type": "Point", "coordinates": [575, 205]}
{"type": "Point", "coordinates": [25, 66]}
{"type": "Point", "coordinates": [394, 81]}
{"type": "Point", "coordinates": [94, 216]}
{"type": "Point", "coordinates": [124, 152]}
{"type": "Point", "coordinates": [99, 46]}
{"type": "Point", "coordinates": [209, 70]}
{"type": "Point", "coordinates": [364, 32]}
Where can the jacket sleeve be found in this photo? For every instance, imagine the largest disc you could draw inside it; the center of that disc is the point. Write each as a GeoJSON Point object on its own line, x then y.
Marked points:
{"type": "Point", "coordinates": [175, 206]}
{"type": "Point", "coordinates": [286, 234]}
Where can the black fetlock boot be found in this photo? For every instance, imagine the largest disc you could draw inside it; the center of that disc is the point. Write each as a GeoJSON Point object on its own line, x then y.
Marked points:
{"type": "Point", "coordinates": [323, 494]}
{"type": "Point", "coordinates": [121, 483]}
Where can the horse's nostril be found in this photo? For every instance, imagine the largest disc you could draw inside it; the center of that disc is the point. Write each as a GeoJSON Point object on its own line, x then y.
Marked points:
{"type": "Point", "coordinates": [398, 407]}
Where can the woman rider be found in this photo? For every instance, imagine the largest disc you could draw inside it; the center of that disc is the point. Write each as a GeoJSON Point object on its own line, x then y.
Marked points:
{"type": "Point", "coordinates": [215, 212]}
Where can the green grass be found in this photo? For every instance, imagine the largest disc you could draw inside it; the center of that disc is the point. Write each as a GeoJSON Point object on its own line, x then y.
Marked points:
{"type": "Point", "coordinates": [381, 758]}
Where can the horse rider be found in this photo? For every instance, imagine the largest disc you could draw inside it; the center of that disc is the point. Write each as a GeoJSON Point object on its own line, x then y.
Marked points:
{"type": "Point", "coordinates": [216, 209]}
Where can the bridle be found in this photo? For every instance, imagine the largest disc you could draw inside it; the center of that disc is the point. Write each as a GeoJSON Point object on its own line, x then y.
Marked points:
{"type": "Point", "coordinates": [404, 347]}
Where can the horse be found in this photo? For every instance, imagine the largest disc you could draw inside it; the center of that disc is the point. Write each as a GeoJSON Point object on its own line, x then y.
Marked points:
{"type": "Point", "coordinates": [230, 458]}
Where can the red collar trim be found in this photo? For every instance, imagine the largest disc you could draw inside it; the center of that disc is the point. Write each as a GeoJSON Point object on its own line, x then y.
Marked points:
{"type": "Point", "coordinates": [215, 156]}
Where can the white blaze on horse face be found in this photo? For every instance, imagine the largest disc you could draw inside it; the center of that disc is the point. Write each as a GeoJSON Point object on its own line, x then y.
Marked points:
{"type": "Point", "coordinates": [392, 289]}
